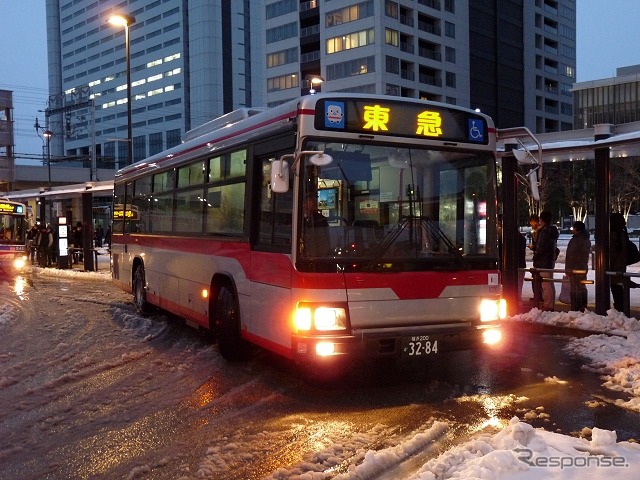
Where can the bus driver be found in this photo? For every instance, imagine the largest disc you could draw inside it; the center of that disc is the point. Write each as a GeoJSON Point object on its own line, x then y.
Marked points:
{"type": "Point", "coordinates": [316, 234]}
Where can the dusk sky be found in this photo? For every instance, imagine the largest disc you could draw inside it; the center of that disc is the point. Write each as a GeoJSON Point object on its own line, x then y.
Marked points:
{"type": "Point", "coordinates": [607, 34]}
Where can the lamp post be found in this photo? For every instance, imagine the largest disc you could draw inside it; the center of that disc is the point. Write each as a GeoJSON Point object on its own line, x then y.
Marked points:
{"type": "Point", "coordinates": [124, 20]}
{"type": "Point", "coordinates": [48, 134]}
{"type": "Point", "coordinates": [45, 134]}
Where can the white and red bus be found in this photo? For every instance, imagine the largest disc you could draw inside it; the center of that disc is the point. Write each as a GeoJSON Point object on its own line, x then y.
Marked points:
{"type": "Point", "coordinates": [13, 231]}
{"type": "Point", "coordinates": [398, 256]}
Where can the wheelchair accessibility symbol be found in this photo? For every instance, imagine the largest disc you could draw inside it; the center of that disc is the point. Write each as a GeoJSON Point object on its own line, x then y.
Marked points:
{"type": "Point", "coordinates": [475, 131]}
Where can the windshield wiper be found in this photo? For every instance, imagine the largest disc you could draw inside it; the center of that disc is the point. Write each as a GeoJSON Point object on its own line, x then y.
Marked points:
{"type": "Point", "coordinates": [438, 234]}
{"type": "Point", "coordinates": [430, 226]}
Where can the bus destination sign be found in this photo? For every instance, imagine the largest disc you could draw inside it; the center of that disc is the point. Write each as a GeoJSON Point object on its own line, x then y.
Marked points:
{"type": "Point", "coordinates": [401, 119]}
{"type": "Point", "coordinates": [11, 208]}
{"type": "Point", "coordinates": [120, 214]}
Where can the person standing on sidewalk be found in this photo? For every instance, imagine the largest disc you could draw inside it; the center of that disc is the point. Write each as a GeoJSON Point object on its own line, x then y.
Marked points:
{"type": "Point", "coordinates": [544, 256]}
{"type": "Point", "coordinates": [536, 284]}
{"type": "Point", "coordinates": [577, 258]}
{"type": "Point", "coordinates": [618, 256]}
{"type": "Point", "coordinates": [44, 241]}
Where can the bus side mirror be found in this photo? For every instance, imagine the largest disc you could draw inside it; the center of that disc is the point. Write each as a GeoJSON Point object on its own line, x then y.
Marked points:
{"type": "Point", "coordinates": [533, 183]}
{"type": "Point", "coordinates": [280, 176]}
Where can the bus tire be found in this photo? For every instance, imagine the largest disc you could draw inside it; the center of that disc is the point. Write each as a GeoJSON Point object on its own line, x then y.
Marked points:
{"type": "Point", "coordinates": [227, 325]}
{"type": "Point", "coordinates": [140, 291]}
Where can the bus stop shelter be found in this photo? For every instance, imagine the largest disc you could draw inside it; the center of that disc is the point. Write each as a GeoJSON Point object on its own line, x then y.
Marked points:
{"type": "Point", "coordinates": [517, 146]}
{"type": "Point", "coordinates": [81, 194]}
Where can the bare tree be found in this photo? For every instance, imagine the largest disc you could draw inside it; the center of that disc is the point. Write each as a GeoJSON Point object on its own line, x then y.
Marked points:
{"type": "Point", "coordinates": [624, 184]}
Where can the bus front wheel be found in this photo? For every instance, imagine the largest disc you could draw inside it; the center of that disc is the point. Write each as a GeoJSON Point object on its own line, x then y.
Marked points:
{"type": "Point", "coordinates": [140, 291]}
{"type": "Point", "coordinates": [227, 325]}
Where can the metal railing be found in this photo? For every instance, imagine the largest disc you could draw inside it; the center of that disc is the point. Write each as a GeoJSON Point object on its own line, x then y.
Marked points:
{"type": "Point", "coordinates": [566, 278]}
{"type": "Point", "coordinates": [624, 279]}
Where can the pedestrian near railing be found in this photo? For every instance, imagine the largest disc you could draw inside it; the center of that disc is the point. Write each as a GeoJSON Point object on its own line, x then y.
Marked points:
{"type": "Point", "coordinates": [568, 276]}
{"type": "Point", "coordinates": [624, 279]}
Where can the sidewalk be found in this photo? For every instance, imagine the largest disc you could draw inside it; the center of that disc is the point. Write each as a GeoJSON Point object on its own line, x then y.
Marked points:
{"type": "Point", "coordinates": [102, 272]}
{"type": "Point", "coordinates": [527, 292]}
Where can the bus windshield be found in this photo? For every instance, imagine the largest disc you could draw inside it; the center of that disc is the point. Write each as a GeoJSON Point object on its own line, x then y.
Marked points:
{"type": "Point", "coordinates": [12, 229]}
{"type": "Point", "coordinates": [384, 207]}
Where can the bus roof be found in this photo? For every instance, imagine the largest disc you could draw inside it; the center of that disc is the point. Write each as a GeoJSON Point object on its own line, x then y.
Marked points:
{"type": "Point", "coordinates": [234, 128]}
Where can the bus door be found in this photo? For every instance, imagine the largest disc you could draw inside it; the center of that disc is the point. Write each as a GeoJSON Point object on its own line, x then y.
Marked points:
{"type": "Point", "coordinates": [271, 267]}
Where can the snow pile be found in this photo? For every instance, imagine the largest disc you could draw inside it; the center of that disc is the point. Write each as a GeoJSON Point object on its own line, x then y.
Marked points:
{"type": "Point", "coordinates": [617, 358]}
{"type": "Point", "coordinates": [375, 462]}
{"type": "Point", "coordinates": [615, 323]}
{"type": "Point", "coordinates": [519, 451]}
{"type": "Point", "coordinates": [7, 313]}
{"type": "Point", "coordinates": [615, 355]}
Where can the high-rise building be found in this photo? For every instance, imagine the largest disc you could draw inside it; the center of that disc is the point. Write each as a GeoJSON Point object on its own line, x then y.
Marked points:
{"type": "Point", "coordinates": [513, 59]}
{"type": "Point", "coordinates": [193, 60]}
{"type": "Point", "coordinates": [190, 61]}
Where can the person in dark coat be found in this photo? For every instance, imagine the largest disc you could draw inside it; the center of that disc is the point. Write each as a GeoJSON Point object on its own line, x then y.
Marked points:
{"type": "Point", "coordinates": [544, 256]}
{"type": "Point", "coordinates": [78, 242]}
{"type": "Point", "coordinates": [618, 238]}
{"type": "Point", "coordinates": [99, 235]}
{"type": "Point", "coordinates": [107, 237]}
{"type": "Point", "coordinates": [44, 242]}
{"type": "Point", "coordinates": [577, 258]}
{"type": "Point", "coordinates": [32, 237]}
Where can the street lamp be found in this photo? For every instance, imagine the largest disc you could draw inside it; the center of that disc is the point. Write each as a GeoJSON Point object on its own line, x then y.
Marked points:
{"type": "Point", "coordinates": [124, 20]}
{"type": "Point", "coordinates": [312, 80]}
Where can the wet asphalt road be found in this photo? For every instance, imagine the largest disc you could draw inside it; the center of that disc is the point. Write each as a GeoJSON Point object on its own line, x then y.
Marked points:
{"type": "Point", "coordinates": [89, 389]}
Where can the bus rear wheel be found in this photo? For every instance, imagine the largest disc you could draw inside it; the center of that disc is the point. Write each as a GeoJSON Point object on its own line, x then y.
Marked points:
{"type": "Point", "coordinates": [140, 291]}
{"type": "Point", "coordinates": [227, 325]}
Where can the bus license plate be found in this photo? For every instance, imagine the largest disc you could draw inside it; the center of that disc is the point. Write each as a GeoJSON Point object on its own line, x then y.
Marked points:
{"type": "Point", "coordinates": [420, 345]}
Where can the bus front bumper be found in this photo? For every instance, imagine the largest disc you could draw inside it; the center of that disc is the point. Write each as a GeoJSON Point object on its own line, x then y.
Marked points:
{"type": "Point", "coordinates": [413, 344]}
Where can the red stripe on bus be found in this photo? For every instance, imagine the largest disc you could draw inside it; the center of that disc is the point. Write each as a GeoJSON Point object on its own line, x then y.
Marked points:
{"type": "Point", "coordinates": [267, 344]}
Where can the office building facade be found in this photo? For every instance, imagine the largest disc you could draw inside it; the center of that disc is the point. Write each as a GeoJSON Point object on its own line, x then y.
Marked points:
{"type": "Point", "coordinates": [193, 60]}
{"type": "Point", "coordinates": [609, 100]}
{"type": "Point", "coordinates": [190, 62]}
{"type": "Point", "coordinates": [512, 59]}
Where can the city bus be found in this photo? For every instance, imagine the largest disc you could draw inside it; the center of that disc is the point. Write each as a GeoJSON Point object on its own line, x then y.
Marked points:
{"type": "Point", "coordinates": [13, 231]}
{"type": "Point", "coordinates": [327, 229]}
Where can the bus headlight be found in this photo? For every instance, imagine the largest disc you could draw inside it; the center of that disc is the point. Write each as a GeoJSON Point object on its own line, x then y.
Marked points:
{"type": "Point", "coordinates": [20, 262]}
{"type": "Point", "coordinates": [493, 310]}
{"type": "Point", "coordinates": [320, 318]}
{"type": "Point", "coordinates": [492, 336]}
{"type": "Point", "coordinates": [325, 349]}
{"type": "Point", "coordinates": [330, 318]}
